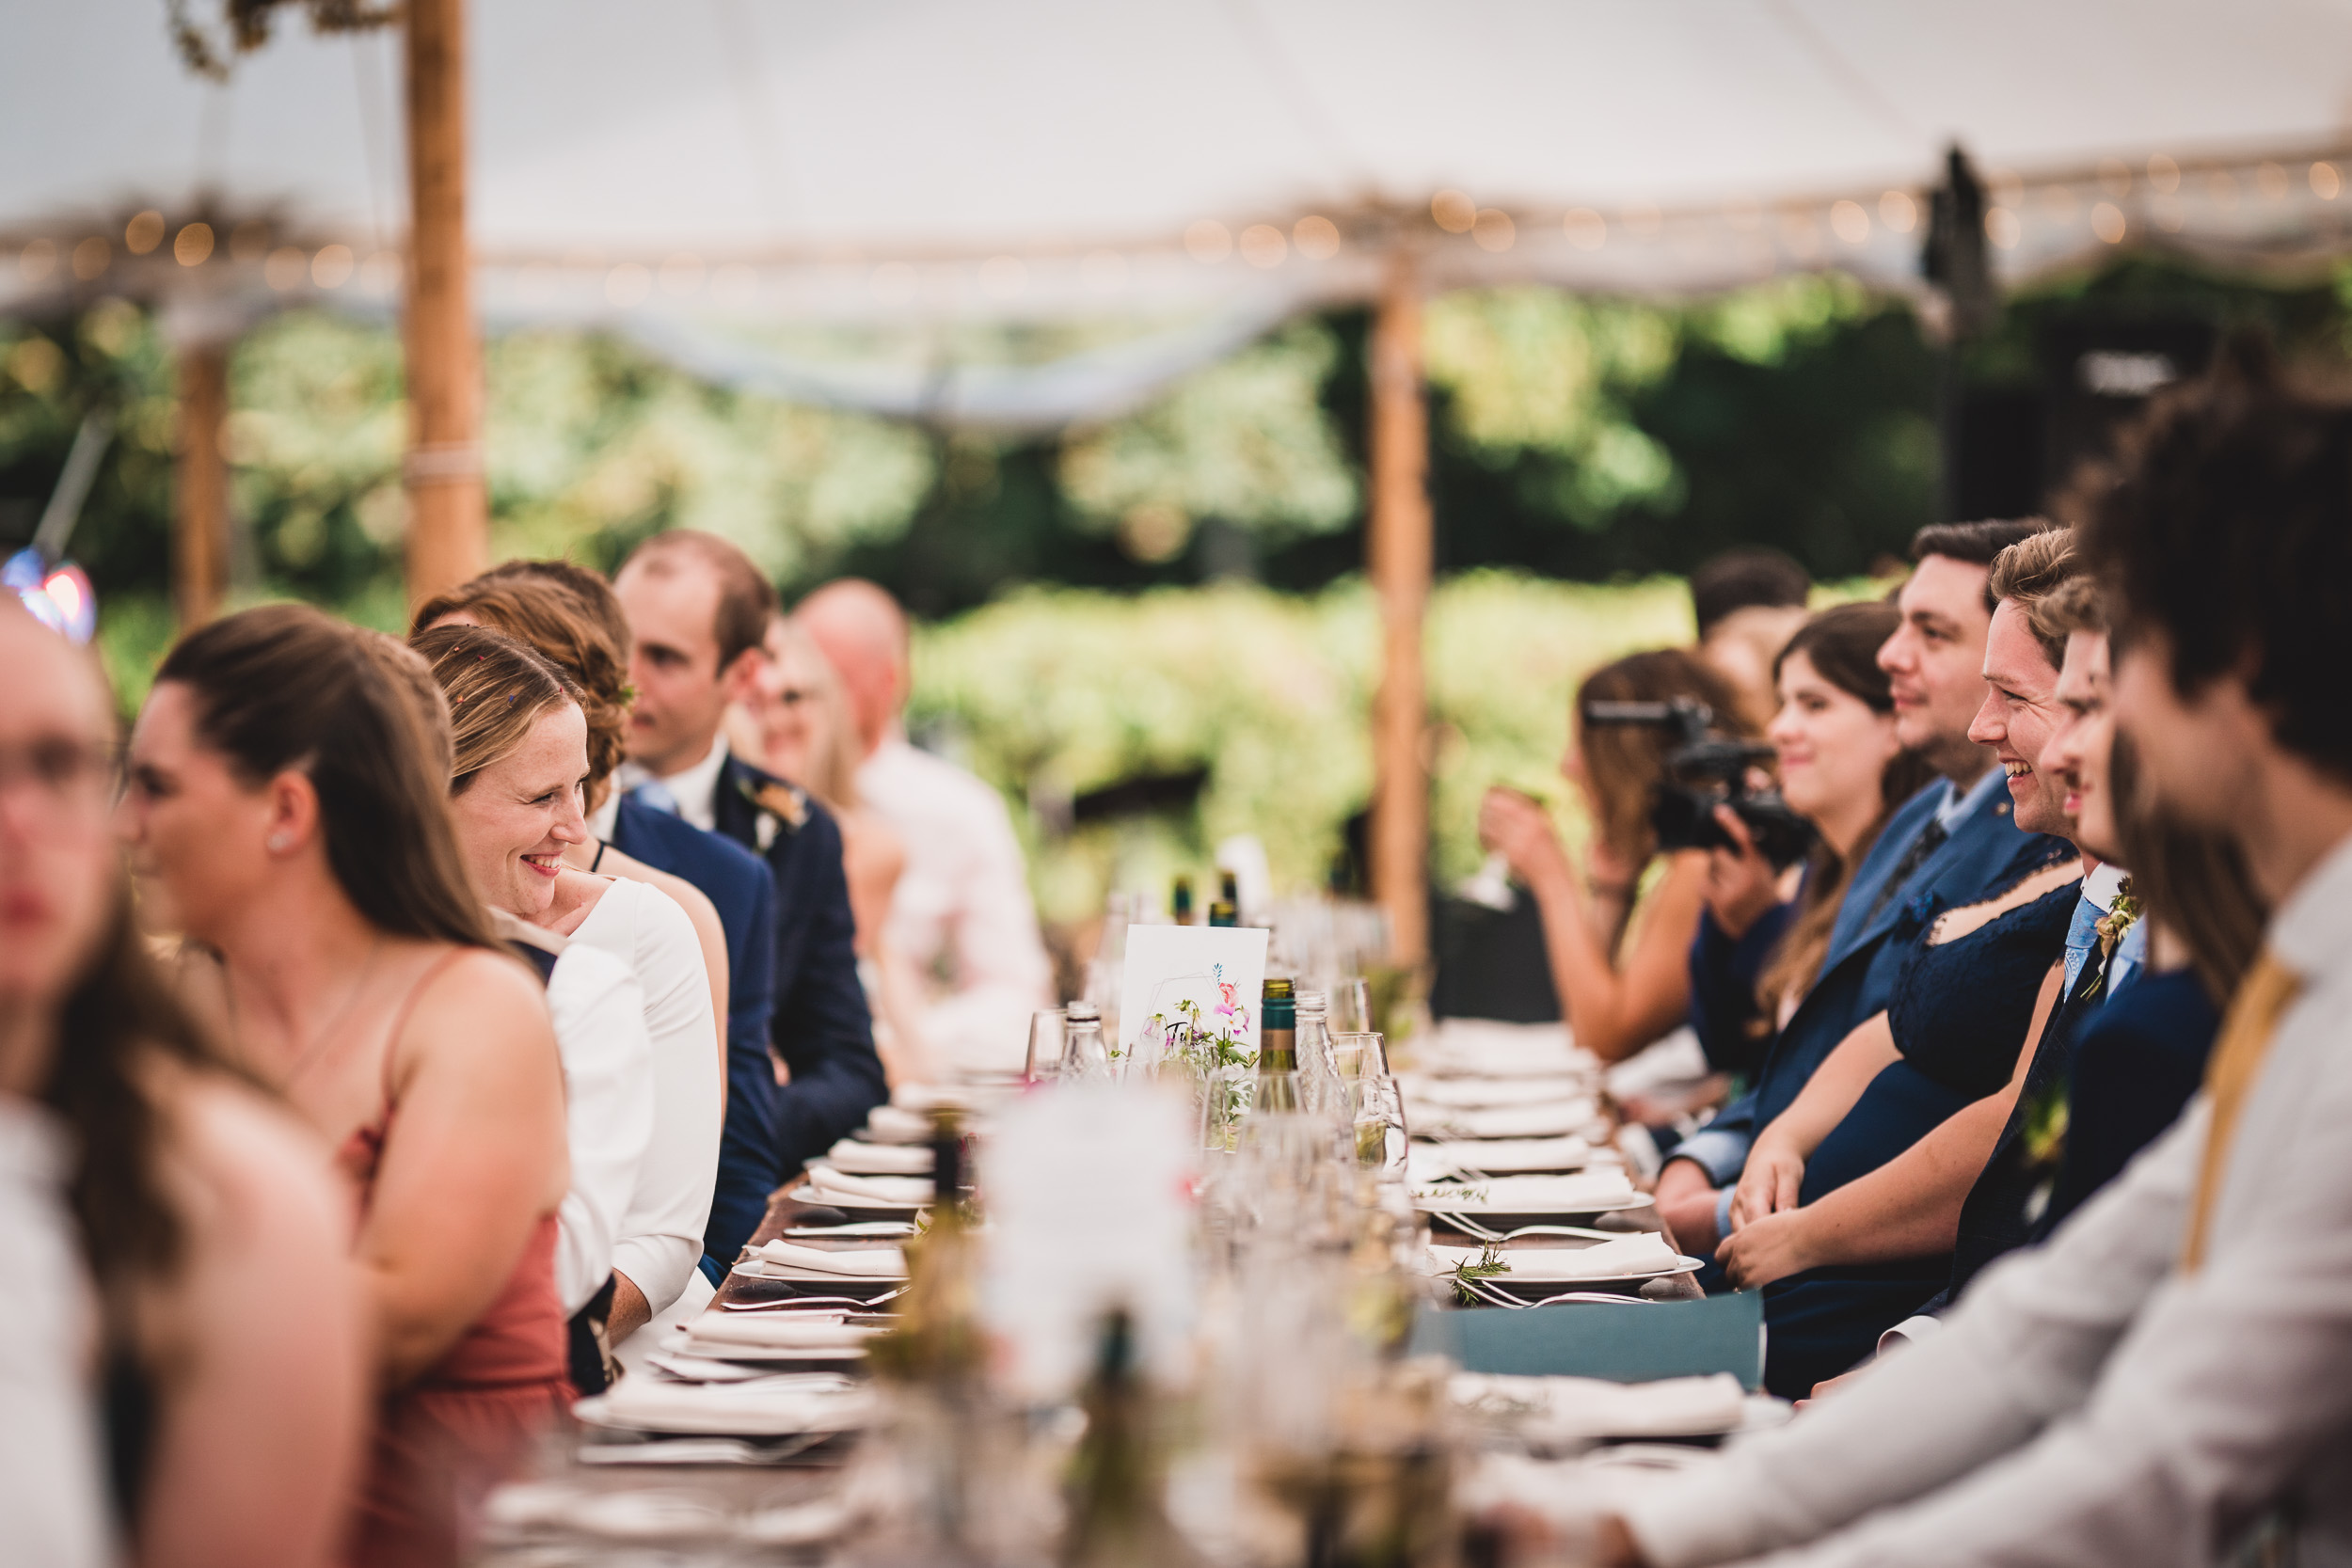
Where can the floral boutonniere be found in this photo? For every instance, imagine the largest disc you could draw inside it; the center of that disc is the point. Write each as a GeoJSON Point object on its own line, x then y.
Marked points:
{"type": "Point", "coordinates": [2121, 917]}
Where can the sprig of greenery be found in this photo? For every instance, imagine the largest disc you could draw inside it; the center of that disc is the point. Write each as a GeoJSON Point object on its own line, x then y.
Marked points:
{"type": "Point", "coordinates": [1489, 1266]}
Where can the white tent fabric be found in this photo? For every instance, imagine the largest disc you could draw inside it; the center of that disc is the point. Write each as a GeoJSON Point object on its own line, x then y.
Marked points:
{"type": "Point", "coordinates": [694, 173]}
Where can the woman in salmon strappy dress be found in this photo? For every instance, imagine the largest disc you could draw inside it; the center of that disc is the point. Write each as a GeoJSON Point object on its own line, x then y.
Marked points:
{"type": "Point", "coordinates": [287, 814]}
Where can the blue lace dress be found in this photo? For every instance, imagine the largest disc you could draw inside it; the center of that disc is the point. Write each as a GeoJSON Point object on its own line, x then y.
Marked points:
{"type": "Point", "coordinates": [1959, 1014]}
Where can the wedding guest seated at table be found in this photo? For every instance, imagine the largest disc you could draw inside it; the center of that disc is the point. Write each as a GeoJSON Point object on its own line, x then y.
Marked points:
{"type": "Point", "coordinates": [1952, 843]}
{"type": "Point", "coordinates": [567, 614]}
{"type": "Point", "coordinates": [2182, 937]}
{"type": "Point", "coordinates": [797, 724]}
{"type": "Point", "coordinates": [1748, 602]}
{"type": "Point", "coordinates": [1841, 768]}
{"type": "Point", "coordinates": [641, 1061]}
{"type": "Point", "coordinates": [1623, 982]}
{"type": "Point", "coordinates": [2166, 1379]}
{"type": "Point", "coordinates": [184, 1372]}
{"type": "Point", "coordinates": [572, 618]}
{"type": "Point", "coordinates": [286, 816]}
{"type": "Point", "coordinates": [698, 610]}
{"type": "Point", "coordinates": [1852, 1197]}
{"type": "Point", "coordinates": [961, 918]}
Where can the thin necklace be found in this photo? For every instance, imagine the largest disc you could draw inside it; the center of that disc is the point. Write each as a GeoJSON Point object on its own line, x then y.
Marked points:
{"type": "Point", "coordinates": [326, 1032]}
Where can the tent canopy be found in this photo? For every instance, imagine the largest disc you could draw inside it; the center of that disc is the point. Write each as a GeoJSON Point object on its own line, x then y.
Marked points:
{"type": "Point", "coordinates": [694, 175]}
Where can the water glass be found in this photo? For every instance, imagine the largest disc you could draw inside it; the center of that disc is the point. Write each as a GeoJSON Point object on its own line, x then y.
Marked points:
{"type": "Point", "coordinates": [1381, 1145]}
{"type": "Point", "coordinates": [1360, 1054]}
{"type": "Point", "coordinates": [1048, 1030]}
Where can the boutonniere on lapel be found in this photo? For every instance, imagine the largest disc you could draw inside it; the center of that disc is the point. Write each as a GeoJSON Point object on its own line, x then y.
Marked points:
{"type": "Point", "coordinates": [2121, 917]}
{"type": "Point", "coordinates": [778, 802]}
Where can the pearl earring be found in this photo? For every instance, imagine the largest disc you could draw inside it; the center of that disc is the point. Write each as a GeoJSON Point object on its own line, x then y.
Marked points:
{"type": "Point", "coordinates": [278, 843]}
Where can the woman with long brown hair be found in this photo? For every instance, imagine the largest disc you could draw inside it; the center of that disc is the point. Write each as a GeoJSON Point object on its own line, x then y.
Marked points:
{"type": "Point", "coordinates": [519, 757]}
{"type": "Point", "coordinates": [225, 1333]}
{"type": "Point", "coordinates": [285, 814]}
{"type": "Point", "coordinates": [1623, 982]}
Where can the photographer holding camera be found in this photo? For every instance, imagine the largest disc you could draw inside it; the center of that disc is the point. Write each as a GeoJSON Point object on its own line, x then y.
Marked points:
{"type": "Point", "coordinates": [1623, 982]}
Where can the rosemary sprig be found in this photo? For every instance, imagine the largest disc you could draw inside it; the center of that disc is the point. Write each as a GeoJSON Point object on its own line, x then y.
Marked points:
{"type": "Point", "coordinates": [1489, 1265]}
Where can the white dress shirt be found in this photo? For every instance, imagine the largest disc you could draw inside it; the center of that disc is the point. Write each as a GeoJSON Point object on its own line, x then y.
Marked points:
{"type": "Point", "coordinates": [660, 1233]}
{"type": "Point", "coordinates": [599, 1017]}
{"type": "Point", "coordinates": [2088, 1404]}
{"type": "Point", "coordinates": [693, 788]}
{"type": "Point", "coordinates": [53, 1496]}
{"type": "Point", "coordinates": [961, 917]}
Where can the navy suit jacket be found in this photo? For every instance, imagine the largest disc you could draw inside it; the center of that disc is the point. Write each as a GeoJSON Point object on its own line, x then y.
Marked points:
{"type": "Point", "coordinates": [1984, 854]}
{"type": "Point", "coordinates": [739, 883]}
{"type": "Point", "coordinates": [821, 1029]}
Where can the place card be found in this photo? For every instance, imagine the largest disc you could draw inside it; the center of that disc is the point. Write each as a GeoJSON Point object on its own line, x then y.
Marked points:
{"type": "Point", "coordinates": [1213, 973]}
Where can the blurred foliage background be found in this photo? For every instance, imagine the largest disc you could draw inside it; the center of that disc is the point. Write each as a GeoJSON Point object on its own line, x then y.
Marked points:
{"type": "Point", "coordinates": [1152, 632]}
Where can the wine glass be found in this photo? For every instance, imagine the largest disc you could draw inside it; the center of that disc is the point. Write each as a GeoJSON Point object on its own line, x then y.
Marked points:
{"type": "Point", "coordinates": [1048, 1030]}
{"type": "Point", "coordinates": [1351, 1007]}
{"type": "Point", "coordinates": [1360, 1054]}
{"type": "Point", "coordinates": [1381, 1144]}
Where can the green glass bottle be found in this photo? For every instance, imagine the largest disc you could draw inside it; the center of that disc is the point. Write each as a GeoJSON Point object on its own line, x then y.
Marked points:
{"type": "Point", "coordinates": [1278, 1048]}
{"type": "Point", "coordinates": [1180, 902]}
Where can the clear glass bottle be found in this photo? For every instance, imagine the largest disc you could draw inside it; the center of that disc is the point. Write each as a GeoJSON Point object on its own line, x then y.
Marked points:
{"type": "Point", "coordinates": [1085, 1056]}
{"type": "Point", "coordinates": [1180, 902]}
{"type": "Point", "coordinates": [1320, 1086]}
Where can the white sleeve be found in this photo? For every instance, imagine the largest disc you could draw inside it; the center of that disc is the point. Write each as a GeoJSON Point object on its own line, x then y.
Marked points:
{"type": "Point", "coordinates": [608, 1109]}
{"type": "Point", "coordinates": [2023, 1350]}
{"type": "Point", "coordinates": [660, 1235]}
{"type": "Point", "coordinates": [1001, 973]}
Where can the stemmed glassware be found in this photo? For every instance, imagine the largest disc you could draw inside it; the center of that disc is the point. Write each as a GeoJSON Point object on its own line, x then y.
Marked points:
{"type": "Point", "coordinates": [1048, 1031]}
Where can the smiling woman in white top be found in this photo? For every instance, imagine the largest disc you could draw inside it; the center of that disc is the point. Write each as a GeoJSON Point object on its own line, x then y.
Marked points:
{"type": "Point", "coordinates": [645, 1151]}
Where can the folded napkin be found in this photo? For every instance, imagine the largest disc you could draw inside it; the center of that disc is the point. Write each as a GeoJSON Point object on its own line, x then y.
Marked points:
{"type": "Point", "coordinates": [893, 1124]}
{"type": "Point", "coordinates": [716, 1332]}
{"type": "Point", "coordinates": [854, 1158]}
{"type": "Point", "coordinates": [880, 1262]}
{"type": "Point", "coordinates": [1477, 1093]}
{"type": "Point", "coordinates": [1585, 1193]}
{"type": "Point", "coordinates": [1631, 1257]}
{"type": "Point", "coordinates": [1516, 1156]}
{"type": "Point", "coordinates": [763, 1409]}
{"type": "Point", "coordinates": [1557, 1119]}
{"type": "Point", "coordinates": [1557, 1408]}
{"type": "Point", "coordinates": [897, 1191]}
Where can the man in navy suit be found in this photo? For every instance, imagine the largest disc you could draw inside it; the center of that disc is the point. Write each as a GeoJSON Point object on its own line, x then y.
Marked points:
{"type": "Point", "coordinates": [1953, 843]}
{"type": "Point", "coordinates": [698, 615]}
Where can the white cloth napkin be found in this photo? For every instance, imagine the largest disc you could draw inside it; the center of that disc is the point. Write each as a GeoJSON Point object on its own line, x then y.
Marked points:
{"type": "Point", "coordinates": [1585, 1193]}
{"type": "Point", "coordinates": [860, 1159]}
{"type": "Point", "coordinates": [1556, 1408]}
{"type": "Point", "coordinates": [1475, 1093]}
{"type": "Point", "coordinates": [715, 1334]}
{"type": "Point", "coordinates": [897, 1190]}
{"type": "Point", "coordinates": [762, 1409]}
{"type": "Point", "coordinates": [1555, 1118]}
{"type": "Point", "coordinates": [882, 1262]}
{"type": "Point", "coordinates": [1514, 1156]}
{"type": "Point", "coordinates": [1624, 1257]}
{"type": "Point", "coordinates": [893, 1124]}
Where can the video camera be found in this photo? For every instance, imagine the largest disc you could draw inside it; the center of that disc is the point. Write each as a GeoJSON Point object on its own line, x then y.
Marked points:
{"type": "Point", "coordinates": [1706, 770]}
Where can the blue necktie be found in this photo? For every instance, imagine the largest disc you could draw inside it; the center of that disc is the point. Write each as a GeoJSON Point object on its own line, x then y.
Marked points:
{"type": "Point", "coordinates": [656, 796]}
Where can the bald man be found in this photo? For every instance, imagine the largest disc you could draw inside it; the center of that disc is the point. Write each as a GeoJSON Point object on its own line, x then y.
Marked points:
{"type": "Point", "coordinates": [961, 915]}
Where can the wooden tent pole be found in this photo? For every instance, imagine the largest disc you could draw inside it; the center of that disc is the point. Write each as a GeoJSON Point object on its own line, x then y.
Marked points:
{"type": "Point", "coordinates": [448, 509]}
{"type": "Point", "coordinates": [200, 541]}
{"type": "Point", "coordinates": [1402, 555]}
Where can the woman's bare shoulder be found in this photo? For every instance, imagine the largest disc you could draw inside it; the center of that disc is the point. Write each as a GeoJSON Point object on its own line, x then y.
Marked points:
{"type": "Point", "coordinates": [245, 1164]}
{"type": "Point", "coordinates": [2039, 883]}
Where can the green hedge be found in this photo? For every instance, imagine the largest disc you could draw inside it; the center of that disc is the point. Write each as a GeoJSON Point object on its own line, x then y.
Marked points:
{"type": "Point", "coordinates": [1051, 693]}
